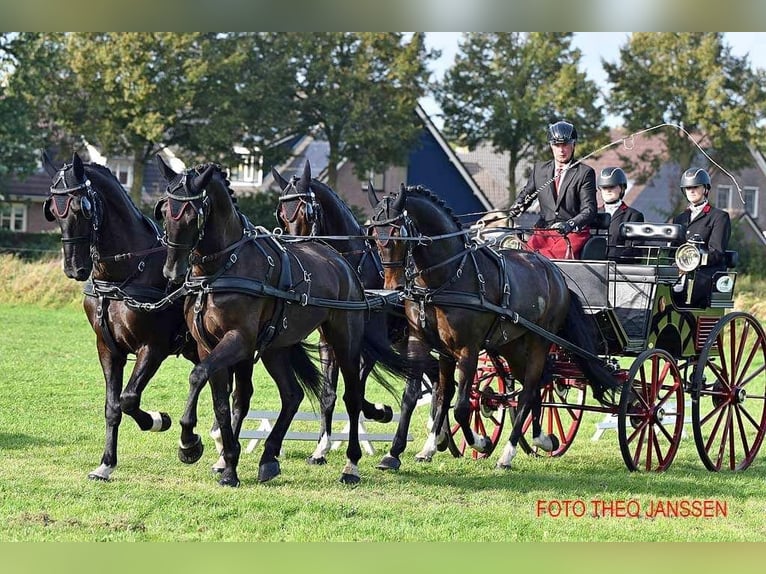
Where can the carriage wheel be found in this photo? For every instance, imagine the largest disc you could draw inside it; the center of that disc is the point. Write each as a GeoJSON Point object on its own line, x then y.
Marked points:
{"type": "Point", "coordinates": [561, 418]}
{"type": "Point", "coordinates": [651, 417]}
{"type": "Point", "coordinates": [488, 405]}
{"type": "Point", "coordinates": [729, 390]}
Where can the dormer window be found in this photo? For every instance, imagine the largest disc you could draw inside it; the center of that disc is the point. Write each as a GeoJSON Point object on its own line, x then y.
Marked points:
{"type": "Point", "coordinates": [248, 171]}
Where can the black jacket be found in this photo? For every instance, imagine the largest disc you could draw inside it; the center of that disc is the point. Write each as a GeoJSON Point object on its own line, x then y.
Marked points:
{"type": "Point", "coordinates": [714, 227]}
{"type": "Point", "coordinates": [576, 199]}
{"type": "Point", "coordinates": [617, 249]}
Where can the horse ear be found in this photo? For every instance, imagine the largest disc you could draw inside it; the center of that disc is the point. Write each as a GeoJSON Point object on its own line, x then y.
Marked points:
{"type": "Point", "coordinates": [79, 169]}
{"type": "Point", "coordinates": [371, 195]}
{"type": "Point", "coordinates": [50, 169]}
{"type": "Point", "coordinates": [306, 177]}
{"type": "Point", "coordinates": [400, 201]}
{"type": "Point", "coordinates": [167, 172]}
{"type": "Point", "coordinates": [200, 182]}
{"type": "Point", "coordinates": [283, 183]}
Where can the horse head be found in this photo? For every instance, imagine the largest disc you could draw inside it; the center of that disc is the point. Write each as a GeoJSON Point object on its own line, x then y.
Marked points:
{"type": "Point", "coordinates": [72, 203]}
{"type": "Point", "coordinates": [298, 208]}
{"type": "Point", "coordinates": [390, 224]}
{"type": "Point", "coordinates": [183, 212]}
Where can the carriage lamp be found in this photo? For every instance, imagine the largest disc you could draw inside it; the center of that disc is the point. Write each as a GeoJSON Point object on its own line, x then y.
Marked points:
{"type": "Point", "coordinates": [691, 255]}
{"type": "Point", "coordinates": [725, 283]}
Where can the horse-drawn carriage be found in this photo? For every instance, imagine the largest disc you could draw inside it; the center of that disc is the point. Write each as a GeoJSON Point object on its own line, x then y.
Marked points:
{"type": "Point", "coordinates": [529, 318]}
{"type": "Point", "coordinates": [662, 347]}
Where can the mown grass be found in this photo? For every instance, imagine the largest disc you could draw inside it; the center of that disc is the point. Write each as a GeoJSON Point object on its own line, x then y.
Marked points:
{"type": "Point", "coordinates": [51, 436]}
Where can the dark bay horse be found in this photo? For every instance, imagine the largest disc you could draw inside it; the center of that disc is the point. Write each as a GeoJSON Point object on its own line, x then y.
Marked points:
{"type": "Point", "coordinates": [465, 297]}
{"type": "Point", "coordinates": [107, 239]}
{"type": "Point", "coordinates": [251, 295]}
{"type": "Point", "coordinates": [316, 210]}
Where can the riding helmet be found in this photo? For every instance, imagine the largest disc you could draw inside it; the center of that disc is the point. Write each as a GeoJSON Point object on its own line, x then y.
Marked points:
{"type": "Point", "coordinates": [693, 177]}
{"type": "Point", "coordinates": [611, 177]}
{"type": "Point", "coordinates": [562, 132]}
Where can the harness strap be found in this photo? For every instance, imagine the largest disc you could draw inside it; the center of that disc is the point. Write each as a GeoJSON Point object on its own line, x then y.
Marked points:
{"type": "Point", "coordinates": [102, 313]}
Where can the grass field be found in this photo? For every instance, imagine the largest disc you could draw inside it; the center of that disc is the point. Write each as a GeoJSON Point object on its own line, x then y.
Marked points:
{"type": "Point", "coordinates": [51, 436]}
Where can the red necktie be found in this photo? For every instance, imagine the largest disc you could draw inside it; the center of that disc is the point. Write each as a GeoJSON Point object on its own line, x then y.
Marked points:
{"type": "Point", "coordinates": [556, 182]}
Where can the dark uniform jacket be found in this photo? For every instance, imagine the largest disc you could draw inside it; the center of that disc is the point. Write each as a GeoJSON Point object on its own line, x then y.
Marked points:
{"type": "Point", "coordinates": [714, 227]}
{"type": "Point", "coordinates": [621, 249]}
{"type": "Point", "coordinates": [576, 198]}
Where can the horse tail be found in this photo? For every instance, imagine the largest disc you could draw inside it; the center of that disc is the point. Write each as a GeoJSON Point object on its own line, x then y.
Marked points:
{"type": "Point", "coordinates": [306, 371]}
{"type": "Point", "coordinates": [579, 330]}
{"type": "Point", "coordinates": [378, 349]}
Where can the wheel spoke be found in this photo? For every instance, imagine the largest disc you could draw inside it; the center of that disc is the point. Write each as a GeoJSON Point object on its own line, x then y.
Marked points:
{"type": "Point", "coordinates": [741, 426]}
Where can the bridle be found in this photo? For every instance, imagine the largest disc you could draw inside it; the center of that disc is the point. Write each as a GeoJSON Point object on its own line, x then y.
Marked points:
{"type": "Point", "coordinates": [177, 203]}
{"type": "Point", "coordinates": [61, 200]}
{"type": "Point", "coordinates": [306, 200]}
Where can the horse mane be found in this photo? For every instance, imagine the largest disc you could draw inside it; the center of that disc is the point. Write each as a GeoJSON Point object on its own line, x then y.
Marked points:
{"type": "Point", "coordinates": [218, 168]}
{"type": "Point", "coordinates": [429, 195]}
{"type": "Point", "coordinates": [110, 179]}
{"type": "Point", "coordinates": [315, 183]}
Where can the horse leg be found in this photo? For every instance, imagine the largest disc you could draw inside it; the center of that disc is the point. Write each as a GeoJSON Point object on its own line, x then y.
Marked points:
{"type": "Point", "coordinates": [241, 394]}
{"type": "Point", "coordinates": [230, 350]}
{"type": "Point", "coordinates": [221, 389]}
{"type": "Point", "coordinates": [277, 364]}
{"type": "Point", "coordinates": [376, 328]}
{"type": "Point", "coordinates": [442, 396]}
{"type": "Point", "coordinates": [329, 396]}
{"type": "Point", "coordinates": [215, 432]}
{"type": "Point", "coordinates": [466, 369]}
{"type": "Point", "coordinates": [113, 368]}
{"type": "Point", "coordinates": [418, 354]}
{"type": "Point", "coordinates": [147, 364]}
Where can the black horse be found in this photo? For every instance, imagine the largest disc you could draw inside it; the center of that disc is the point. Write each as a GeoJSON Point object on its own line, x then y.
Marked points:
{"type": "Point", "coordinates": [105, 237]}
{"type": "Point", "coordinates": [464, 297]}
{"type": "Point", "coordinates": [317, 210]}
{"type": "Point", "coordinates": [251, 294]}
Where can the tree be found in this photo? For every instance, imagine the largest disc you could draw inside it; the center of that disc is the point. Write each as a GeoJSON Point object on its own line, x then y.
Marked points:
{"type": "Point", "coordinates": [359, 91]}
{"type": "Point", "coordinates": [135, 93]}
{"type": "Point", "coordinates": [691, 80]}
{"type": "Point", "coordinates": [505, 88]}
{"type": "Point", "coordinates": [28, 73]}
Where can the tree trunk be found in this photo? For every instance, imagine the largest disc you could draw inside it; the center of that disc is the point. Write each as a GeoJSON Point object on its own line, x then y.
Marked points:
{"type": "Point", "coordinates": [513, 162]}
{"type": "Point", "coordinates": [138, 177]}
{"type": "Point", "coordinates": [332, 167]}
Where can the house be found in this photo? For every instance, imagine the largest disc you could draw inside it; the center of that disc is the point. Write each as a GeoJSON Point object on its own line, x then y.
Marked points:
{"type": "Point", "coordinates": [433, 164]}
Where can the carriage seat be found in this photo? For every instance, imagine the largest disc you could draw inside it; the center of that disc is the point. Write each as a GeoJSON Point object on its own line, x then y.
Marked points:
{"type": "Point", "coordinates": [596, 247]}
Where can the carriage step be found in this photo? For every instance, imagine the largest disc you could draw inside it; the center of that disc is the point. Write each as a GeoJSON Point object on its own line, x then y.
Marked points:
{"type": "Point", "coordinates": [610, 422]}
{"type": "Point", "coordinates": [266, 420]}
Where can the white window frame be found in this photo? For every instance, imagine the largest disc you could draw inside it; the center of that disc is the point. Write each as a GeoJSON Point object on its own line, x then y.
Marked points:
{"type": "Point", "coordinates": [123, 165]}
{"type": "Point", "coordinates": [378, 180]}
{"type": "Point", "coordinates": [752, 210]}
{"type": "Point", "coordinates": [13, 216]}
{"type": "Point", "coordinates": [248, 172]}
{"type": "Point", "coordinates": [720, 204]}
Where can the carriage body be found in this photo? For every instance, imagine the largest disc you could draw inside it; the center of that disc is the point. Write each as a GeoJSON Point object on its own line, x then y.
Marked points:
{"type": "Point", "coordinates": [663, 351]}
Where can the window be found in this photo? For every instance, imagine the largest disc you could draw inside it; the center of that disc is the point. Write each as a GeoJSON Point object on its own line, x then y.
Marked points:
{"type": "Point", "coordinates": [248, 171]}
{"type": "Point", "coordinates": [750, 195]}
{"type": "Point", "coordinates": [123, 170]}
{"type": "Point", "coordinates": [13, 216]}
{"type": "Point", "coordinates": [723, 197]}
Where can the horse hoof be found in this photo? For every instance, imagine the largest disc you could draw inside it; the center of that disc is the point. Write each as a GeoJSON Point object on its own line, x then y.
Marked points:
{"type": "Point", "coordinates": [423, 458]}
{"type": "Point", "coordinates": [268, 470]}
{"type": "Point", "coordinates": [166, 422]}
{"type": "Point", "coordinates": [505, 467]}
{"type": "Point", "coordinates": [350, 479]}
{"type": "Point", "coordinates": [96, 476]}
{"type": "Point", "coordinates": [191, 454]}
{"type": "Point", "coordinates": [554, 442]}
{"type": "Point", "coordinates": [389, 462]}
{"type": "Point", "coordinates": [388, 414]}
{"type": "Point", "coordinates": [316, 461]}
{"type": "Point", "coordinates": [231, 482]}
{"type": "Point", "coordinates": [442, 443]}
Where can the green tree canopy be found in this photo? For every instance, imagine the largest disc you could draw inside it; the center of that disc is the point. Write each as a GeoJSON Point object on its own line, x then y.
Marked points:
{"type": "Point", "coordinates": [359, 91]}
{"type": "Point", "coordinates": [505, 88]}
{"type": "Point", "coordinates": [691, 80]}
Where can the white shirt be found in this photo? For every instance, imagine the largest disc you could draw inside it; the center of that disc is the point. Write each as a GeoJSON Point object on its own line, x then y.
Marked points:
{"type": "Point", "coordinates": [611, 208]}
{"type": "Point", "coordinates": [696, 210]}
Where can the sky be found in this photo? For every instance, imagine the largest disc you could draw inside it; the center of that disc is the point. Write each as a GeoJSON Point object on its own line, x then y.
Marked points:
{"type": "Point", "coordinates": [594, 46]}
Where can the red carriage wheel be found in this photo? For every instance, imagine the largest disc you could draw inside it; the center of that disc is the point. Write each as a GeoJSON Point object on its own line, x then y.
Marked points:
{"type": "Point", "coordinates": [560, 416]}
{"type": "Point", "coordinates": [489, 402]}
{"type": "Point", "coordinates": [729, 390]}
{"type": "Point", "coordinates": [651, 416]}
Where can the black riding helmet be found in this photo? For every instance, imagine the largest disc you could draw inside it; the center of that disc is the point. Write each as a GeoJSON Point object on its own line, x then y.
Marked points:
{"type": "Point", "coordinates": [611, 177]}
{"type": "Point", "coordinates": [562, 132]}
{"type": "Point", "coordinates": [694, 176]}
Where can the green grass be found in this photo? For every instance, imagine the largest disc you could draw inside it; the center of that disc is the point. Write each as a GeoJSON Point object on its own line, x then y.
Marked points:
{"type": "Point", "coordinates": [51, 436]}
